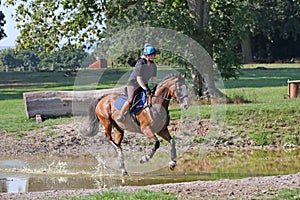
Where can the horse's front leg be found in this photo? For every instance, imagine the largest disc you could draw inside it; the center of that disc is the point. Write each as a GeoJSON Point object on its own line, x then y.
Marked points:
{"type": "Point", "coordinates": [148, 132]}
{"type": "Point", "coordinates": [151, 153]}
{"type": "Point", "coordinates": [172, 163]}
{"type": "Point", "coordinates": [165, 134]}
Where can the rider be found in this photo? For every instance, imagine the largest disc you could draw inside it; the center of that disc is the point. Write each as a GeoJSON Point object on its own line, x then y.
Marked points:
{"type": "Point", "coordinates": [144, 69]}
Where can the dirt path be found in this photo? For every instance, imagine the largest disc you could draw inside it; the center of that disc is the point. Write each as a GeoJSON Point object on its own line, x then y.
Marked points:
{"type": "Point", "coordinates": [64, 139]}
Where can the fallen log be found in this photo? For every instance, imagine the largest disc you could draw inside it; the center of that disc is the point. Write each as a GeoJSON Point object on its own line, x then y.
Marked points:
{"type": "Point", "coordinates": [62, 103]}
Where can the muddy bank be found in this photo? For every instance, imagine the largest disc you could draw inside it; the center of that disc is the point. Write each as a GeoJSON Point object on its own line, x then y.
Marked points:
{"type": "Point", "coordinates": [68, 139]}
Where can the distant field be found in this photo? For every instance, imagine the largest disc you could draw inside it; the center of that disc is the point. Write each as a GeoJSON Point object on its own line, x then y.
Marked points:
{"type": "Point", "coordinates": [277, 65]}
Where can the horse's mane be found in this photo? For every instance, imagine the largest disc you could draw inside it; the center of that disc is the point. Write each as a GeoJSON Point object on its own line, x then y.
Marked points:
{"type": "Point", "coordinates": [168, 77]}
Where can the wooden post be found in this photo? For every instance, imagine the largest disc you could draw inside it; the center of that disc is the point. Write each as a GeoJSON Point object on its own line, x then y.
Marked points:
{"type": "Point", "coordinates": [294, 88]}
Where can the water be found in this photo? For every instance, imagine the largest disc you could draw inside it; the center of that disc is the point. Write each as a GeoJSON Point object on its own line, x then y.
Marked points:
{"type": "Point", "coordinates": [40, 172]}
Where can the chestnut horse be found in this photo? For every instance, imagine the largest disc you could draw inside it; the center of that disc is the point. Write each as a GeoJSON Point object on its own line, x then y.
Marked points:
{"type": "Point", "coordinates": [152, 119]}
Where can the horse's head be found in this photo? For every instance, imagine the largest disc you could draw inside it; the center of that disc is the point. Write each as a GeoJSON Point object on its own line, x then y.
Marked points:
{"type": "Point", "coordinates": [174, 86]}
{"type": "Point", "coordinates": [180, 91]}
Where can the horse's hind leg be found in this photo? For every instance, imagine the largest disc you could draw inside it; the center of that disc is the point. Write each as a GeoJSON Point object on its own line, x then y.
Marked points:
{"type": "Point", "coordinates": [166, 135]}
{"type": "Point", "coordinates": [119, 134]}
{"type": "Point", "coordinates": [116, 143]}
{"type": "Point", "coordinates": [120, 157]}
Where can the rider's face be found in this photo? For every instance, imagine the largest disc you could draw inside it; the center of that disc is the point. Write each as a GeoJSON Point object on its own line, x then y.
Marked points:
{"type": "Point", "coordinates": [151, 57]}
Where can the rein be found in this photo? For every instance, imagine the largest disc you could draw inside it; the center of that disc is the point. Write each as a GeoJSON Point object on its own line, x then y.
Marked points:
{"type": "Point", "coordinates": [164, 98]}
{"type": "Point", "coordinates": [170, 99]}
{"type": "Point", "coordinates": [179, 98]}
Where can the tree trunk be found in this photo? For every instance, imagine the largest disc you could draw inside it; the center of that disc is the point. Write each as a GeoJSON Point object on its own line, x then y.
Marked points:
{"type": "Point", "coordinates": [203, 82]}
{"type": "Point", "coordinates": [62, 103]}
{"type": "Point", "coordinates": [199, 9]}
{"type": "Point", "coordinates": [246, 48]}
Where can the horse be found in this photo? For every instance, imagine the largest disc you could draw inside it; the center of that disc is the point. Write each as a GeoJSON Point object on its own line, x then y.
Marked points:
{"type": "Point", "coordinates": [153, 119]}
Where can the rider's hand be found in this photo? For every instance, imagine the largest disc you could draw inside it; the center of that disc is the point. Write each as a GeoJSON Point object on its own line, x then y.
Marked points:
{"type": "Point", "coordinates": [148, 91]}
{"type": "Point", "coordinates": [153, 89]}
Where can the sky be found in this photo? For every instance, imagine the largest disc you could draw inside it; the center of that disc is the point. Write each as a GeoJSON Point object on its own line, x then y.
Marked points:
{"type": "Point", "coordinates": [9, 27]}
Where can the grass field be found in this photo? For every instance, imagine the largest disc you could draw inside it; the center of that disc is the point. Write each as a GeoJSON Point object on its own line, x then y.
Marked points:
{"type": "Point", "coordinates": [269, 117]}
{"type": "Point", "coordinates": [144, 194]}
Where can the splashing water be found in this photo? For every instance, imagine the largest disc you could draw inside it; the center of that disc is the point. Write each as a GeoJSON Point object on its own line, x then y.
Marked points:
{"type": "Point", "coordinates": [57, 167]}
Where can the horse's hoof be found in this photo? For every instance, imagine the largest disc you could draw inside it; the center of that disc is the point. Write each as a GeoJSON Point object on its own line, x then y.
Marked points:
{"type": "Point", "coordinates": [172, 165]}
{"type": "Point", "coordinates": [144, 159]}
{"type": "Point", "coordinates": [124, 173]}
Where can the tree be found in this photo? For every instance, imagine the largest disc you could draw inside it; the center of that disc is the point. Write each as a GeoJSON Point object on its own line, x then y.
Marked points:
{"type": "Point", "coordinates": [63, 59]}
{"type": "Point", "coordinates": [9, 59]}
{"type": "Point", "coordinates": [276, 26]}
{"type": "Point", "coordinates": [69, 58]}
{"type": "Point", "coordinates": [28, 59]}
{"type": "Point", "coordinates": [49, 25]}
{"type": "Point", "coordinates": [228, 26]}
{"type": "Point", "coordinates": [46, 61]}
{"type": "Point", "coordinates": [2, 23]}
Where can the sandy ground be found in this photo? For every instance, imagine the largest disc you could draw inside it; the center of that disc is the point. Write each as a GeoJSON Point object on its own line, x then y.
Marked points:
{"type": "Point", "coordinates": [64, 139]}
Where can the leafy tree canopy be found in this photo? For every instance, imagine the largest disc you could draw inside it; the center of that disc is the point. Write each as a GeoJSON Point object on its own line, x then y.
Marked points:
{"type": "Point", "coordinates": [48, 25]}
{"type": "Point", "coordinates": [29, 60]}
{"type": "Point", "coordinates": [2, 23]}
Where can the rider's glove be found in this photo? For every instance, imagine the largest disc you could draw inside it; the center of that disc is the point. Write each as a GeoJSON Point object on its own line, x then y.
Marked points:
{"type": "Point", "coordinates": [148, 91]}
{"type": "Point", "coordinates": [153, 89]}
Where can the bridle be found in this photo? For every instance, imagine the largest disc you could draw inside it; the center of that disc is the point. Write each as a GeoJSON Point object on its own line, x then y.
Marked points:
{"type": "Point", "coordinates": [179, 98]}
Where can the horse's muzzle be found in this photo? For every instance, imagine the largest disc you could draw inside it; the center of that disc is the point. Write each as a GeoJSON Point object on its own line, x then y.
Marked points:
{"type": "Point", "coordinates": [184, 103]}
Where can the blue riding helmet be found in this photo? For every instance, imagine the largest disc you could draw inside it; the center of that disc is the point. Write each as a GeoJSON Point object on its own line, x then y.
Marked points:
{"type": "Point", "coordinates": [148, 50]}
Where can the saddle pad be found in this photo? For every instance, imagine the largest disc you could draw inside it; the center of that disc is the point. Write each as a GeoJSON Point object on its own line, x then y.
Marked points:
{"type": "Point", "coordinates": [120, 101]}
{"type": "Point", "coordinates": [138, 103]}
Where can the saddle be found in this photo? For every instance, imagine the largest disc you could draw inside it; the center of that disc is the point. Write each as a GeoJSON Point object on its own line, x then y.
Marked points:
{"type": "Point", "coordinates": [138, 102]}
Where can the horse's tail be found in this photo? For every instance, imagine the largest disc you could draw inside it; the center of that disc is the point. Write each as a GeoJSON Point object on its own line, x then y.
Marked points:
{"type": "Point", "coordinates": [93, 120]}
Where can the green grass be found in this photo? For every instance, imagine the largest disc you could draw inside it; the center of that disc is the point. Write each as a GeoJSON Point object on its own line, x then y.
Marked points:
{"type": "Point", "coordinates": [13, 118]}
{"type": "Point", "coordinates": [271, 122]}
{"type": "Point", "coordinates": [260, 78]}
{"type": "Point", "coordinates": [272, 65]}
{"type": "Point", "coordinates": [14, 84]}
{"type": "Point", "coordinates": [268, 117]}
{"type": "Point", "coordinates": [289, 194]}
{"type": "Point", "coordinates": [271, 118]}
{"type": "Point", "coordinates": [143, 194]}
{"type": "Point", "coordinates": [284, 194]}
